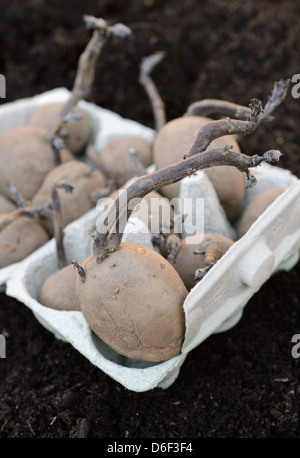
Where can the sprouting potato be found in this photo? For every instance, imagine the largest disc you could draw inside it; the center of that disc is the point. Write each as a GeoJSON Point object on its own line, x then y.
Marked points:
{"type": "Point", "coordinates": [133, 302]}
{"type": "Point", "coordinates": [175, 139]}
{"type": "Point", "coordinates": [114, 159]}
{"type": "Point", "coordinates": [197, 254]}
{"type": "Point", "coordinates": [26, 158]}
{"type": "Point", "coordinates": [59, 292]}
{"type": "Point", "coordinates": [19, 239]}
{"type": "Point", "coordinates": [73, 204]}
{"type": "Point", "coordinates": [256, 207]}
{"type": "Point", "coordinates": [76, 133]}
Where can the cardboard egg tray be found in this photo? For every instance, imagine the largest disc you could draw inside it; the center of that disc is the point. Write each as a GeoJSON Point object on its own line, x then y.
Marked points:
{"type": "Point", "coordinates": [215, 304]}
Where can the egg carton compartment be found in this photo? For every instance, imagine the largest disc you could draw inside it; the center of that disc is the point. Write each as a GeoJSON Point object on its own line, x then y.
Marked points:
{"type": "Point", "coordinates": [214, 305]}
{"type": "Point", "coordinates": [106, 126]}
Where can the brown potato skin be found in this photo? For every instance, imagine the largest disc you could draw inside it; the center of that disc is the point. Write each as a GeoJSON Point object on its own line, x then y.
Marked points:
{"type": "Point", "coordinates": [59, 290]}
{"type": "Point", "coordinates": [78, 132]}
{"type": "Point", "coordinates": [256, 207]}
{"type": "Point", "coordinates": [176, 138]}
{"type": "Point", "coordinates": [26, 158]}
{"type": "Point", "coordinates": [19, 239]}
{"type": "Point", "coordinates": [187, 263]}
{"type": "Point", "coordinates": [73, 204]}
{"type": "Point", "coordinates": [6, 205]}
{"type": "Point", "coordinates": [133, 301]}
{"type": "Point", "coordinates": [115, 161]}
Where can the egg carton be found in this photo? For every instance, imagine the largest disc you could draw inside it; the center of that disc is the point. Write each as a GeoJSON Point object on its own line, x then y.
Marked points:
{"type": "Point", "coordinates": [105, 124]}
{"type": "Point", "coordinates": [214, 305]}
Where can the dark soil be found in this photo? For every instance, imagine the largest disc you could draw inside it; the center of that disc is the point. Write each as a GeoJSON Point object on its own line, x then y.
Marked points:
{"type": "Point", "coordinates": [240, 384]}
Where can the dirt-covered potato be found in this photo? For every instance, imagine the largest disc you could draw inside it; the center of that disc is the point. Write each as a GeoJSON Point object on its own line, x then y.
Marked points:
{"type": "Point", "coordinates": [76, 132]}
{"type": "Point", "coordinates": [199, 252]}
{"type": "Point", "coordinates": [6, 205]}
{"type": "Point", "coordinates": [19, 239]}
{"type": "Point", "coordinates": [133, 301]}
{"type": "Point", "coordinates": [26, 158]}
{"type": "Point", "coordinates": [59, 290]}
{"type": "Point", "coordinates": [73, 204]}
{"type": "Point", "coordinates": [256, 207]}
{"type": "Point", "coordinates": [176, 138]}
{"type": "Point", "coordinates": [114, 159]}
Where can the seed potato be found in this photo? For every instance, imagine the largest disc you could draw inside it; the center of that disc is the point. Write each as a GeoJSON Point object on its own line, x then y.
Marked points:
{"type": "Point", "coordinates": [73, 204]}
{"type": "Point", "coordinates": [256, 207]}
{"type": "Point", "coordinates": [19, 239]}
{"type": "Point", "coordinates": [176, 138]}
{"type": "Point", "coordinates": [187, 263]}
{"type": "Point", "coordinates": [114, 159]}
{"type": "Point", "coordinates": [59, 290]}
{"type": "Point", "coordinates": [133, 301]}
{"type": "Point", "coordinates": [26, 158]}
{"type": "Point", "coordinates": [77, 133]}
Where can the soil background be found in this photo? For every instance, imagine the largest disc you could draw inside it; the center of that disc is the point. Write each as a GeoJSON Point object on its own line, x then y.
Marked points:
{"type": "Point", "coordinates": [243, 383]}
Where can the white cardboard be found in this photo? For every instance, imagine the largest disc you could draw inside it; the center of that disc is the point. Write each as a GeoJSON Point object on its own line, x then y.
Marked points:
{"type": "Point", "coordinates": [198, 186]}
